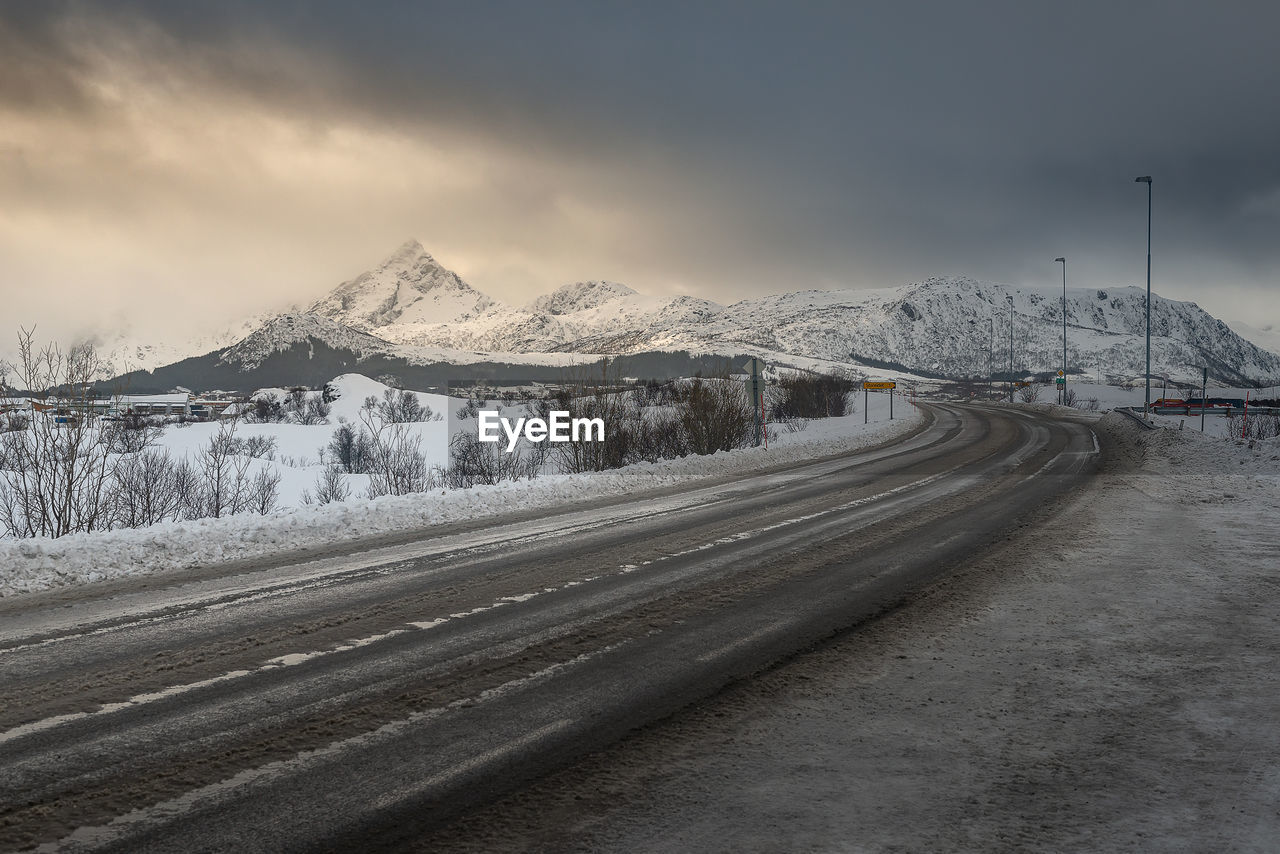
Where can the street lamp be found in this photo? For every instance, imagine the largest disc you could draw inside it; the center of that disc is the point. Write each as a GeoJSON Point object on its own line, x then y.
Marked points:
{"type": "Point", "coordinates": [1009, 297]}
{"type": "Point", "coordinates": [1063, 391]}
{"type": "Point", "coordinates": [991, 351]}
{"type": "Point", "coordinates": [1146, 179]}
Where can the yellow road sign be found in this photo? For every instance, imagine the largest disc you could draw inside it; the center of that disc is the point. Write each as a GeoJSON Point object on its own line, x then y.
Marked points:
{"type": "Point", "coordinates": [870, 384]}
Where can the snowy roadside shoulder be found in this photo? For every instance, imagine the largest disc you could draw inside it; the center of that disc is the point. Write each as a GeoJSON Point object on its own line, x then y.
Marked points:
{"type": "Point", "coordinates": [31, 565]}
{"type": "Point", "coordinates": [1190, 469]}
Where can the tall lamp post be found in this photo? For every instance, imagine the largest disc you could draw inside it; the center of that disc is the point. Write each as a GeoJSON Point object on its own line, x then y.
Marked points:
{"type": "Point", "coordinates": [1010, 299]}
{"type": "Point", "coordinates": [991, 350]}
{"type": "Point", "coordinates": [1146, 179]}
{"type": "Point", "coordinates": [1063, 391]}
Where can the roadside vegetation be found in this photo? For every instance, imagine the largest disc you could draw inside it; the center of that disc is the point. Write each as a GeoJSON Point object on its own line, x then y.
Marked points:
{"type": "Point", "coordinates": [64, 470]}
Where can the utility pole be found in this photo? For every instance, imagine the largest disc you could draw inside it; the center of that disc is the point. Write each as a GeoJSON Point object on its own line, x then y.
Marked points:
{"type": "Point", "coordinates": [755, 390]}
{"type": "Point", "coordinates": [1146, 179]}
{"type": "Point", "coordinates": [1010, 298]}
{"type": "Point", "coordinates": [1063, 389]}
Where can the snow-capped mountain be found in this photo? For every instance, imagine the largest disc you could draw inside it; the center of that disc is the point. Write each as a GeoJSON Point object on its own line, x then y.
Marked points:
{"type": "Point", "coordinates": [944, 327]}
{"type": "Point", "coordinates": [408, 289]}
{"type": "Point", "coordinates": [412, 310]}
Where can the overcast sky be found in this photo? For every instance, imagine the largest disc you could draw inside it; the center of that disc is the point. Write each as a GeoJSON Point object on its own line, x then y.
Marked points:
{"type": "Point", "coordinates": [176, 165]}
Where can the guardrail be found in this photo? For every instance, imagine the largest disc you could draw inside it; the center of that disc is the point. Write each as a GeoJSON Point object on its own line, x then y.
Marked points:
{"type": "Point", "coordinates": [1133, 413]}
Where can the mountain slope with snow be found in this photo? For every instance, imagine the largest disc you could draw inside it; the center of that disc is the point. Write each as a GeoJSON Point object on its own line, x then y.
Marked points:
{"type": "Point", "coordinates": [1268, 338]}
{"type": "Point", "coordinates": [412, 309]}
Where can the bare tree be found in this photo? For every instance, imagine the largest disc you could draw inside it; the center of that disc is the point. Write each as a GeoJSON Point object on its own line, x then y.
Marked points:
{"type": "Point", "coordinates": [264, 491]}
{"type": "Point", "coordinates": [397, 465]}
{"type": "Point", "coordinates": [53, 483]}
{"type": "Point", "coordinates": [1029, 393]}
{"type": "Point", "coordinates": [225, 473]}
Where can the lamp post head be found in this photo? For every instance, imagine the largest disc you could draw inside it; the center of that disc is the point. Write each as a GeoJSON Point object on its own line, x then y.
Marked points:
{"type": "Point", "coordinates": [1063, 260]}
{"type": "Point", "coordinates": [1145, 179]}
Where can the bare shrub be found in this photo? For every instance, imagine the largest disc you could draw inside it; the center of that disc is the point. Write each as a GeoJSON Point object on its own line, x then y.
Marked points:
{"type": "Point", "coordinates": [331, 486]}
{"type": "Point", "coordinates": [264, 408]}
{"type": "Point", "coordinates": [716, 415]}
{"type": "Point", "coordinates": [397, 465]}
{"type": "Point", "coordinates": [801, 395]}
{"type": "Point", "coordinates": [399, 407]}
{"type": "Point", "coordinates": [1029, 393]}
{"type": "Point", "coordinates": [1069, 397]}
{"type": "Point", "coordinates": [145, 490]}
{"type": "Point", "coordinates": [659, 436]}
{"type": "Point", "coordinates": [314, 411]}
{"type": "Point", "coordinates": [1252, 425]}
{"type": "Point", "coordinates": [351, 448]}
{"type": "Point", "coordinates": [259, 447]}
{"type": "Point", "coordinates": [129, 435]}
{"type": "Point", "coordinates": [473, 462]}
{"type": "Point", "coordinates": [264, 491]}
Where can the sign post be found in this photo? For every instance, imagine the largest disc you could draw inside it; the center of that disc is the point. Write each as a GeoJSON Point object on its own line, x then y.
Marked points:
{"type": "Point", "coordinates": [755, 391]}
{"type": "Point", "coordinates": [887, 385]}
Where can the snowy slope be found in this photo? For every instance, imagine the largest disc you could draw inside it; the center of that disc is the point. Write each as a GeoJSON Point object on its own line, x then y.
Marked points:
{"type": "Point", "coordinates": [124, 350]}
{"type": "Point", "coordinates": [283, 332]}
{"type": "Point", "coordinates": [1267, 338]}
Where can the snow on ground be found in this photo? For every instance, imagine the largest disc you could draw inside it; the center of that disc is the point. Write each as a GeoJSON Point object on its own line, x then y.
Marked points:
{"type": "Point", "coordinates": [38, 564]}
{"type": "Point", "coordinates": [1107, 680]}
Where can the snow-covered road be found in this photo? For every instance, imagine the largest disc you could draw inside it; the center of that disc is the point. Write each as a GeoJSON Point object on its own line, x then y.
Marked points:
{"type": "Point", "coordinates": [271, 707]}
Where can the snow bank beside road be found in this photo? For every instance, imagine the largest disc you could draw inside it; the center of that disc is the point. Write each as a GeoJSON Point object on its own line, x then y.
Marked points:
{"type": "Point", "coordinates": [40, 564]}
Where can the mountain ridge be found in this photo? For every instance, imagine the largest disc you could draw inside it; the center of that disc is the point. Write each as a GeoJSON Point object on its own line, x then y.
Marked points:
{"type": "Point", "coordinates": [412, 307]}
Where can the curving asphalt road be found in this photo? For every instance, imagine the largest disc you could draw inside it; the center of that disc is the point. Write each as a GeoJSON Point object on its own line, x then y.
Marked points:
{"type": "Point", "coordinates": [359, 699]}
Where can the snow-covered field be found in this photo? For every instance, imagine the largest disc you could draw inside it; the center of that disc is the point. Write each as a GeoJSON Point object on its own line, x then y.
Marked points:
{"type": "Point", "coordinates": [42, 563]}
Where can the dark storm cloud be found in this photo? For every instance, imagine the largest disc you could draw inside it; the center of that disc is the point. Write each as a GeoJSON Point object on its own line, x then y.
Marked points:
{"type": "Point", "coordinates": [756, 147]}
